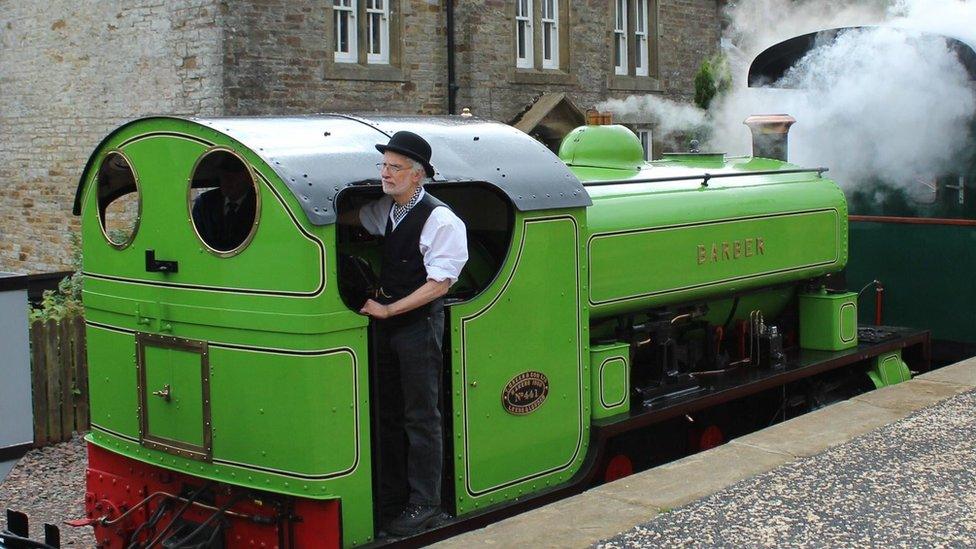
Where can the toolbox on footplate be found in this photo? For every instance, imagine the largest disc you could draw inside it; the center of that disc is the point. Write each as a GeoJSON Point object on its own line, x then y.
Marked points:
{"type": "Point", "coordinates": [828, 320]}
{"type": "Point", "coordinates": [610, 373]}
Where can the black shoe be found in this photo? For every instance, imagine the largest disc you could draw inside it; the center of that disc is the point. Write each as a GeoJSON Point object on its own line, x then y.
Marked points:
{"type": "Point", "coordinates": [414, 519]}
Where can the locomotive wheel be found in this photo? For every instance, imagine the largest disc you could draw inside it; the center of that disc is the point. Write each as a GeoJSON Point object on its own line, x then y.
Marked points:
{"type": "Point", "coordinates": [711, 437]}
{"type": "Point", "coordinates": [618, 467]}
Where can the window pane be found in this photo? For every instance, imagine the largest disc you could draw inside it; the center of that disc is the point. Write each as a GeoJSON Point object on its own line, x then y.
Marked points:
{"type": "Point", "coordinates": [620, 37]}
{"type": "Point", "coordinates": [521, 39]}
{"type": "Point", "coordinates": [374, 33]}
{"type": "Point", "coordinates": [641, 40]}
{"type": "Point", "coordinates": [547, 40]}
{"type": "Point", "coordinates": [377, 32]}
{"type": "Point", "coordinates": [523, 34]}
{"type": "Point", "coordinates": [118, 200]}
{"type": "Point", "coordinates": [342, 32]}
{"type": "Point", "coordinates": [645, 139]}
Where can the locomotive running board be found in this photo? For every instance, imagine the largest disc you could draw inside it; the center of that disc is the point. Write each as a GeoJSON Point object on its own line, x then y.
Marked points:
{"type": "Point", "coordinates": [915, 345]}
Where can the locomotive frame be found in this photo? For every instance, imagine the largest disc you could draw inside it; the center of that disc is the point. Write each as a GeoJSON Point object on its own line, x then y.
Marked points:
{"type": "Point", "coordinates": [281, 400]}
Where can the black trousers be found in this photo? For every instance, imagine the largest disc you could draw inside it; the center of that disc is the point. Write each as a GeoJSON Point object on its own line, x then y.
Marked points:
{"type": "Point", "coordinates": [409, 366]}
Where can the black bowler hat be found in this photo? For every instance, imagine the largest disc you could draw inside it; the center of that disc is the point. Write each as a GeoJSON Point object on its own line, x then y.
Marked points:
{"type": "Point", "coordinates": [412, 146]}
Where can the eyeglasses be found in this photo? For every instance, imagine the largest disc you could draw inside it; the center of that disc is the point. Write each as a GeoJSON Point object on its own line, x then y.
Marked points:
{"type": "Point", "coordinates": [394, 168]}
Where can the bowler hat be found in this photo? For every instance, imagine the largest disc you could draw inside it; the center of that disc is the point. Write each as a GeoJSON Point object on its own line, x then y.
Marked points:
{"type": "Point", "coordinates": [412, 146]}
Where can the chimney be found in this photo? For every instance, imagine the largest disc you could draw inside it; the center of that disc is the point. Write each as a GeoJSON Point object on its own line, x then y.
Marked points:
{"type": "Point", "coordinates": [769, 135]}
{"type": "Point", "coordinates": [597, 118]}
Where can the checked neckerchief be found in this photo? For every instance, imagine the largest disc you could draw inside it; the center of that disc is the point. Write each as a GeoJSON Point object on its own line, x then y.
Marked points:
{"type": "Point", "coordinates": [399, 212]}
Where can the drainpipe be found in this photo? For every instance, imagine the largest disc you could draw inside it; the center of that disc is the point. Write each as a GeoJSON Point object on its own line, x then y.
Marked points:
{"type": "Point", "coordinates": [769, 135]}
{"type": "Point", "coordinates": [452, 86]}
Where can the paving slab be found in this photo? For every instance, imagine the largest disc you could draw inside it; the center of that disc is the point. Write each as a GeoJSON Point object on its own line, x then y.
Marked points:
{"type": "Point", "coordinates": [961, 373]}
{"type": "Point", "coordinates": [578, 521]}
{"type": "Point", "coordinates": [682, 481]}
{"type": "Point", "coordinates": [912, 395]}
{"type": "Point", "coordinates": [819, 430]}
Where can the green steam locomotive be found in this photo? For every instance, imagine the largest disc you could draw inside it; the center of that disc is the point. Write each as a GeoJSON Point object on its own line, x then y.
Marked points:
{"type": "Point", "coordinates": [231, 378]}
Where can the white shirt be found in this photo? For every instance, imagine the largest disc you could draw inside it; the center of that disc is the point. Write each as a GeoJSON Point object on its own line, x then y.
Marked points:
{"type": "Point", "coordinates": [443, 240]}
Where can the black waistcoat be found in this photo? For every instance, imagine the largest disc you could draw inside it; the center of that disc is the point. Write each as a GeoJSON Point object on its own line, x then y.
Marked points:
{"type": "Point", "coordinates": [402, 270]}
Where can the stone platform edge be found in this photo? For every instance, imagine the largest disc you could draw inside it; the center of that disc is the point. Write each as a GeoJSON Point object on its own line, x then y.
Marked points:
{"type": "Point", "coordinates": [607, 510]}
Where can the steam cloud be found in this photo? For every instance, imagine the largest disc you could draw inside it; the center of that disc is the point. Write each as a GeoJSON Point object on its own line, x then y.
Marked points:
{"type": "Point", "coordinates": [889, 102]}
{"type": "Point", "coordinates": [669, 117]}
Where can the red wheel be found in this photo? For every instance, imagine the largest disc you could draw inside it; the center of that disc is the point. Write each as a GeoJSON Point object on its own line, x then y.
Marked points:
{"type": "Point", "coordinates": [619, 467]}
{"type": "Point", "coordinates": [711, 437]}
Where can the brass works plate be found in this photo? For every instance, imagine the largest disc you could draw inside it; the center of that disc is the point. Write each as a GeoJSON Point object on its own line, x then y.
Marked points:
{"type": "Point", "coordinates": [525, 392]}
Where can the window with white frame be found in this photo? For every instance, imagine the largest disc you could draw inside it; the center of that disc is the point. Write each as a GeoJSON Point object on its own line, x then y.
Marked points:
{"type": "Point", "coordinates": [620, 37]}
{"type": "Point", "coordinates": [640, 39]}
{"type": "Point", "coordinates": [378, 31]}
{"type": "Point", "coordinates": [344, 26]}
{"type": "Point", "coordinates": [634, 37]}
{"type": "Point", "coordinates": [645, 138]}
{"type": "Point", "coordinates": [541, 34]}
{"type": "Point", "coordinates": [550, 34]}
{"type": "Point", "coordinates": [523, 34]}
{"type": "Point", "coordinates": [362, 30]}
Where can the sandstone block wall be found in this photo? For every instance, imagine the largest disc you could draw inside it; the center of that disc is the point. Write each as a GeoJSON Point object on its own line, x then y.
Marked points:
{"type": "Point", "coordinates": [689, 31]}
{"type": "Point", "coordinates": [73, 71]}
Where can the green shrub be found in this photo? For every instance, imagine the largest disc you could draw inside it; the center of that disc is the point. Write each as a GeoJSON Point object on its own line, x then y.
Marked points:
{"type": "Point", "coordinates": [712, 79]}
{"type": "Point", "coordinates": [65, 302]}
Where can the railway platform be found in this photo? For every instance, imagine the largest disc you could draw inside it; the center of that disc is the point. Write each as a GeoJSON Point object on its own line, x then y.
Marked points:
{"type": "Point", "coordinates": [892, 467]}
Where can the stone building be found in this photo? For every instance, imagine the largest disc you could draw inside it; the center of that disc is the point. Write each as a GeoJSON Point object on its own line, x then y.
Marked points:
{"type": "Point", "coordinates": [72, 71]}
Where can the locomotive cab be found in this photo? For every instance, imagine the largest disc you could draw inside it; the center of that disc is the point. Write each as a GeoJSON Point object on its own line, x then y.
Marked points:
{"type": "Point", "coordinates": [224, 338]}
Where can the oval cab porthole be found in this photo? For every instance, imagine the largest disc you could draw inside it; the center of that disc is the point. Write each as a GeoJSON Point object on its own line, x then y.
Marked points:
{"type": "Point", "coordinates": [119, 200]}
{"type": "Point", "coordinates": [223, 202]}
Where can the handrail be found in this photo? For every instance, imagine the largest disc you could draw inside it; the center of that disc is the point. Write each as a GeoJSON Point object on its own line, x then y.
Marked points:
{"type": "Point", "coordinates": [704, 177]}
{"type": "Point", "coordinates": [913, 220]}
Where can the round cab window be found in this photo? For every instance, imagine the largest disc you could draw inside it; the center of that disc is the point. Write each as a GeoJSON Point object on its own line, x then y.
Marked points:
{"type": "Point", "coordinates": [223, 202]}
{"type": "Point", "coordinates": [119, 202]}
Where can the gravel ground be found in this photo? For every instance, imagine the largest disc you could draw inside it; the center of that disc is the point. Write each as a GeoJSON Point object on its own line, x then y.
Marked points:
{"type": "Point", "coordinates": [49, 485]}
{"type": "Point", "coordinates": [909, 484]}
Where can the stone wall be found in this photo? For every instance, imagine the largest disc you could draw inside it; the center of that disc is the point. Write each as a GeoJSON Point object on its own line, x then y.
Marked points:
{"type": "Point", "coordinates": [689, 31]}
{"type": "Point", "coordinates": [70, 72]}
{"type": "Point", "coordinates": [279, 60]}
{"type": "Point", "coordinates": [75, 70]}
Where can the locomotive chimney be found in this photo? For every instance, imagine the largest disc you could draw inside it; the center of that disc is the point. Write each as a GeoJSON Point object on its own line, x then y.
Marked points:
{"type": "Point", "coordinates": [769, 135]}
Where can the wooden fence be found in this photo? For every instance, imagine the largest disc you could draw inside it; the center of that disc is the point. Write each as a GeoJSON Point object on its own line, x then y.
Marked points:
{"type": "Point", "coordinates": [59, 379]}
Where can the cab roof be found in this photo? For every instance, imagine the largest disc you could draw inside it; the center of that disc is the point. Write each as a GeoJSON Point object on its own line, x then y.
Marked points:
{"type": "Point", "coordinates": [317, 156]}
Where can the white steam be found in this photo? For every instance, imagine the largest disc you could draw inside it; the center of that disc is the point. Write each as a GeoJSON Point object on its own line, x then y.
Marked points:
{"type": "Point", "coordinates": [879, 102]}
{"type": "Point", "coordinates": [887, 102]}
{"type": "Point", "coordinates": [669, 117]}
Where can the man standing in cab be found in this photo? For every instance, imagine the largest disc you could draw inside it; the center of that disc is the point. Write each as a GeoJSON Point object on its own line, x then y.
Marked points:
{"type": "Point", "coordinates": [424, 249]}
